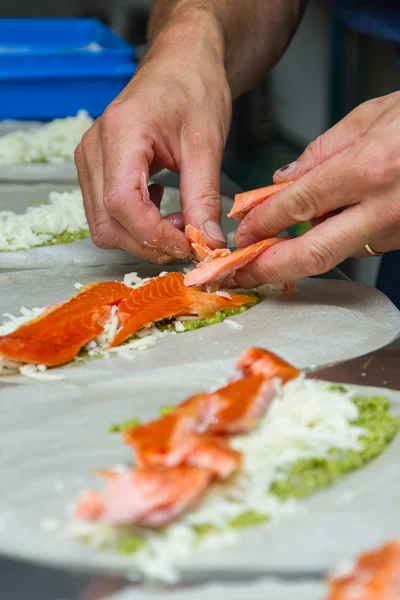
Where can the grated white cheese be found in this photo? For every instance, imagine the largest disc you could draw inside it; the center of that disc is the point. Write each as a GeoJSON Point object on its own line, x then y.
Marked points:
{"type": "Point", "coordinates": [33, 372]}
{"type": "Point", "coordinates": [40, 224]}
{"type": "Point", "coordinates": [179, 326]}
{"type": "Point", "coordinates": [14, 322]}
{"type": "Point", "coordinates": [305, 420]}
{"type": "Point", "coordinates": [133, 280]}
{"type": "Point", "coordinates": [54, 142]}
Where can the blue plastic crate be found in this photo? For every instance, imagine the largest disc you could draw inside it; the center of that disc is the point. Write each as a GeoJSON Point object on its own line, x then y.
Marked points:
{"type": "Point", "coordinates": [51, 68]}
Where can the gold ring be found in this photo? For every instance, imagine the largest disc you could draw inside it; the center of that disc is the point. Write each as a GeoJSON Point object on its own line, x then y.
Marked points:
{"type": "Point", "coordinates": [371, 252]}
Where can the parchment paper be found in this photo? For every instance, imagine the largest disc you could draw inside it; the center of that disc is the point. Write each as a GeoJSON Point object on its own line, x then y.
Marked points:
{"type": "Point", "coordinates": [82, 253]}
{"type": "Point", "coordinates": [54, 437]}
{"type": "Point", "coordinates": [328, 320]}
{"type": "Point", "coordinates": [260, 590]}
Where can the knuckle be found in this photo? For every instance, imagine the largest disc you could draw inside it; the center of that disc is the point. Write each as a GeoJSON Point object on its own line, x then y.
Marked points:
{"type": "Point", "coordinates": [387, 216]}
{"type": "Point", "coordinates": [300, 206]}
{"type": "Point", "coordinates": [375, 165]}
{"type": "Point", "coordinates": [110, 116]}
{"type": "Point", "coordinates": [115, 202]}
{"type": "Point", "coordinates": [103, 236]}
{"type": "Point", "coordinates": [78, 155]}
{"type": "Point", "coordinates": [314, 153]}
{"type": "Point", "coordinates": [87, 140]}
{"type": "Point", "coordinates": [317, 258]}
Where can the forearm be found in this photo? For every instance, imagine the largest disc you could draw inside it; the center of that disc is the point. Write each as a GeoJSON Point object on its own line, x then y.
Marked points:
{"type": "Point", "coordinates": [249, 35]}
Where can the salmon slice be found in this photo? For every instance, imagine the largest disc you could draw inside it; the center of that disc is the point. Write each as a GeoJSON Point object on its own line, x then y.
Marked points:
{"type": "Point", "coordinates": [246, 201]}
{"type": "Point", "coordinates": [221, 271]}
{"type": "Point", "coordinates": [167, 297]}
{"type": "Point", "coordinates": [237, 407]}
{"type": "Point", "coordinates": [376, 577]}
{"type": "Point", "coordinates": [55, 337]}
{"type": "Point", "coordinates": [172, 441]}
{"type": "Point", "coordinates": [155, 443]}
{"type": "Point", "coordinates": [200, 249]}
{"type": "Point", "coordinates": [257, 361]}
{"type": "Point", "coordinates": [151, 498]}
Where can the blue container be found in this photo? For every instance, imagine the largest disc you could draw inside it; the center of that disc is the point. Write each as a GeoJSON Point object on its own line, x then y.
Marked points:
{"type": "Point", "coordinates": [52, 68]}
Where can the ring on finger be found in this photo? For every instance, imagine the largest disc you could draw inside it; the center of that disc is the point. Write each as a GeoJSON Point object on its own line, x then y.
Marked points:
{"type": "Point", "coordinates": [372, 252]}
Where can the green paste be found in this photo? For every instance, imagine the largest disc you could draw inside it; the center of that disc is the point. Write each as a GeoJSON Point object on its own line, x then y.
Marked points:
{"type": "Point", "coordinates": [308, 476]}
{"type": "Point", "coordinates": [131, 424]}
{"type": "Point", "coordinates": [218, 317]}
{"type": "Point", "coordinates": [305, 477]}
{"type": "Point", "coordinates": [66, 237]}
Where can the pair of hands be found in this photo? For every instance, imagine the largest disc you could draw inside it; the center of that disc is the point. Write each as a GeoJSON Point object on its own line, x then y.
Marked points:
{"type": "Point", "coordinates": [176, 115]}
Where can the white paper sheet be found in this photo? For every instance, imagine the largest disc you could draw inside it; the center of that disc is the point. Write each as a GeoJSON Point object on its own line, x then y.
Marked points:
{"type": "Point", "coordinates": [80, 253]}
{"type": "Point", "coordinates": [54, 438]}
{"type": "Point", "coordinates": [327, 321]}
{"type": "Point", "coordinates": [259, 590]}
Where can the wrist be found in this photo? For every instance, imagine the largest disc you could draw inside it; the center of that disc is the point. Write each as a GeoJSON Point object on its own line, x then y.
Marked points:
{"type": "Point", "coordinates": [189, 32]}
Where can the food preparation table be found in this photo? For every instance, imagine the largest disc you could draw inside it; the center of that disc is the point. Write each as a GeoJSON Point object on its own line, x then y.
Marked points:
{"type": "Point", "coordinates": [20, 580]}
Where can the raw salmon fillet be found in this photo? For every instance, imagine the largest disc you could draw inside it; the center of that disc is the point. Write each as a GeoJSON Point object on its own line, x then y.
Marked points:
{"type": "Point", "coordinates": [246, 201]}
{"type": "Point", "coordinates": [56, 337]}
{"type": "Point", "coordinates": [167, 297]}
{"type": "Point", "coordinates": [181, 454]}
{"type": "Point", "coordinates": [235, 408]}
{"type": "Point", "coordinates": [257, 361]}
{"type": "Point", "coordinates": [220, 271]}
{"type": "Point", "coordinates": [146, 497]}
{"type": "Point", "coordinates": [376, 577]}
{"type": "Point", "coordinates": [172, 441]}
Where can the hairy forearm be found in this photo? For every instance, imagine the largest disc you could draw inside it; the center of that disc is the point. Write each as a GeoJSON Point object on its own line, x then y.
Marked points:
{"type": "Point", "coordinates": [249, 35]}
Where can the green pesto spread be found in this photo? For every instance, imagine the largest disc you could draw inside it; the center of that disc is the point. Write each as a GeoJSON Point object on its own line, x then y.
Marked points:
{"type": "Point", "coordinates": [131, 543]}
{"type": "Point", "coordinates": [130, 424]}
{"type": "Point", "coordinates": [218, 317]}
{"type": "Point", "coordinates": [308, 476]}
{"type": "Point", "coordinates": [165, 410]}
{"type": "Point", "coordinates": [66, 237]}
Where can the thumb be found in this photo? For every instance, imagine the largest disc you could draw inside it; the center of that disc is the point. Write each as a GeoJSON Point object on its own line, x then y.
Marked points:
{"type": "Point", "coordinates": [338, 138]}
{"type": "Point", "coordinates": [200, 172]}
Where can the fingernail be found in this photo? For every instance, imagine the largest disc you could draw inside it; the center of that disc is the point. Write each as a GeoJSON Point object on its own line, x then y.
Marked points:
{"type": "Point", "coordinates": [244, 240]}
{"type": "Point", "coordinates": [213, 229]}
{"type": "Point", "coordinates": [287, 169]}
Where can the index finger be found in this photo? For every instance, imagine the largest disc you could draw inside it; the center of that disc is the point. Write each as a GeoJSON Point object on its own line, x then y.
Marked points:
{"type": "Point", "coordinates": [329, 186]}
{"type": "Point", "coordinates": [126, 163]}
{"type": "Point", "coordinates": [313, 253]}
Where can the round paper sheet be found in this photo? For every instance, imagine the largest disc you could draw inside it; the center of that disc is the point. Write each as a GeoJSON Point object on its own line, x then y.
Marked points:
{"type": "Point", "coordinates": [327, 321]}
{"type": "Point", "coordinates": [83, 253]}
{"type": "Point", "coordinates": [54, 434]}
{"type": "Point", "coordinates": [53, 438]}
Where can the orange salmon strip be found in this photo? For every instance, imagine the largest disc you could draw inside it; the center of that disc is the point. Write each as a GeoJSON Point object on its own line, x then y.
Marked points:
{"type": "Point", "coordinates": [166, 297]}
{"type": "Point", "coordinates": [246, 201]}
{"type": "Point", "coordinates": [257, 361]}
{"type": "Point", "coordinates": [56, 337]}
{"type": "Point", "coordinates": [146, 497]}
{"type": "Point", "coordinates": [376, 576]}
{"type": "Point", "coordinates": [179, 456]}
{"type": "Point", "coordinates": [216, 270]}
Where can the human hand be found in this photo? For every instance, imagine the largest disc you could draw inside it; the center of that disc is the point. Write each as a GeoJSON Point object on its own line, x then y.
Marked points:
{"type": "Point", "coordinates": [355, 166]}
{"type": "Point", "coordinates": [174, 114]}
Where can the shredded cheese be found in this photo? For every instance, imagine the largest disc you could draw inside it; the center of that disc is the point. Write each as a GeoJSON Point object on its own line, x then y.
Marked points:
{"type": "Point", "coordinates": [39, 225]}
{"type": "Point", "coordinates": [54, 142]}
